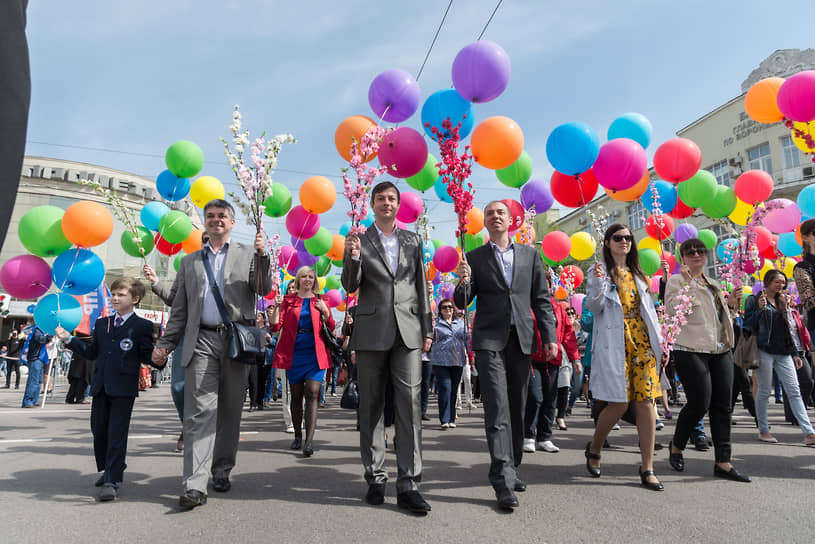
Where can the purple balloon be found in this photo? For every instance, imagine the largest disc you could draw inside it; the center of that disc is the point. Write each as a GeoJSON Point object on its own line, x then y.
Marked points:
{"type": "Point", "coordinates": [306, 259]}
{"type": "Point", "coordinates": [403, 151]}
{"type": "Point", "coordinates": [26, 277]}
{"type": "Point", "coordinates": [481, 71]}
{"type": "Point", "coordinates": [394, 95]}
{"type": "Point", "coordinates": [536, 192]}
{"type": "Point", "coordinates": [298, 243]}
{"type": "Point", "coordinates": [263, 304]}
{"type": "Point", "coordinates": [757, 288]}
{"type": "Point", "coordinates": [287, 258]}
{"type": "Point", "coordinates": [685, 231]}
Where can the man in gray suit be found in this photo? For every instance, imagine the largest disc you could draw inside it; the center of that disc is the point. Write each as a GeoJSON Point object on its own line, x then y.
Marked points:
{"type": "Point", "coordinates": [214, 384]}
{"type": "Point", "coordinates": [392, 326]}
{"type": "Point", "coordinates": [510, 284]}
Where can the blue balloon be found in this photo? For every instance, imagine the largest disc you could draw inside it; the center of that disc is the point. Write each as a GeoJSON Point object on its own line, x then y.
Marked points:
{"type": "Point", "coordinates": [367, 222]}
{"type": "Point", "coordinates": [441, 191]}
{"type": "Point", "coordinates": [345, 228]}
{"type": "Point", "coordinates": [443, 104]}
{"type": "Point", "coordinates": [57, 310]}
{"type": "Point", "coordinates": [151, 213]}
{"type": "Point", "coordinates": [78, 271]}
{"type": "Point", "coordinates": [429, 249]}
{"type": "Point", "coordinates": [726, 250]}
{"type": "Point", "coordinates": [172, 187]}
{"type": "Point", "coordinates": [572, 148]}
{"type": "Point", "coordinates": [634, 126]}
{"type": "Point", "coordinates": [806, 201]}
{"type": "Point", "coordinates": [666, 192]}
{"type": "Point", "coordinates": [788, 245]}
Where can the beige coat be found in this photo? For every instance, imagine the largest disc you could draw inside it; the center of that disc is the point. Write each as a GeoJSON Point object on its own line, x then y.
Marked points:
{"type": "Point", "coordinates": [701, 329]}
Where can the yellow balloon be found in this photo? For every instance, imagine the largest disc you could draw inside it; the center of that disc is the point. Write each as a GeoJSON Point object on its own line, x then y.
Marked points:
{"type": "Point", "coordinates": [287, 276]}
{"type": "Point", "coordinates": [204, 189]}
{"type": "Point", "coordinates": [321, 282]}
{"type": "Point", "coordinates": [768, 265]}
{"type": "Point", "coordinates": [742, 212]}
{"type": "Point", "coordinates": [650, 243]}
{"type": "Point", "coordinates": [582, 246]}
{"type": "Point", "coordinates": [788, 267]}
{"type": "Point", "coordinates": [800, 143]}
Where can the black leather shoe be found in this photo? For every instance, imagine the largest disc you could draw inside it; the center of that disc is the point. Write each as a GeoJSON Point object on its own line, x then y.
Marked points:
{"type": "Point", "coordinates": [676, 460]}
{"type": "Point", "coordinates": [107, 493]}
{"type": "Point", "coordinates": [100, 481]}
{"type": "Point", "coordinates": [296, 444]}
{"type": "Point", "coordinates": [701, 444]}
{"type": "Point", "coordinates": [412, 501]}
{"type": "Point", "coordinates": [594, 471]}
{"type": "Point", "coordinates": [731, 474]}
{"type": "Point", "coordinates": [653, 486]}
{"type": "Point", "coordinates": [425, 417]}
{"type": "Point", "coordinates": [506, 499]}
{"type": "Point", "coordinates": [192, 498]}
{"type": "Point", "coordinates": [376, 494]}
{"type": "Point", "coordinates": [520, 485]}
{"type": "Point", "coordinates": [221, 485]}
{"type": "Point", "coordinates": [308, 449]}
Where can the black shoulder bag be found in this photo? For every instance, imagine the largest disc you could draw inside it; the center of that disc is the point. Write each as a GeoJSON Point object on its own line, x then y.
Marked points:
{"type": "Point", "coordinates": [245, 342]}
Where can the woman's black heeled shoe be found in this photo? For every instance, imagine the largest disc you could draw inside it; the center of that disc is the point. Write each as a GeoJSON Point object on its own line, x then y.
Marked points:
{"type": "Point", "coordinates": [594, 471]}
{"type": "Point", "coordinates": [676, 460]}
{"type": "Point", "coordinates": [308, 449]}
{"type": "Point", "coordinates": [653, 486]}
{"type": "Point", "coordinates": [297, 443]}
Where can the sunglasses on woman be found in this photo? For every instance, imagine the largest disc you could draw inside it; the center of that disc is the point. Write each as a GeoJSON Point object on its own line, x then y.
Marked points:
{"type": "Point", "coordinates": [701, 251]}
{"type": "Point", "coordinates": [622, 237]}
{"type": "Point", "coordinates": [446, 307]}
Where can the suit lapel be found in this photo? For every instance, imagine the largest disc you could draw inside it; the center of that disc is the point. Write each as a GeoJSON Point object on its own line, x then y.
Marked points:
{"type": "Point", "coordinates": [404, 242]}
{"type": "Point", "coordinates": [492, 261]}
{"type": "Point", "coordinates": [517, 264]}
{"type": "Point", "coordinates": [373, 237]}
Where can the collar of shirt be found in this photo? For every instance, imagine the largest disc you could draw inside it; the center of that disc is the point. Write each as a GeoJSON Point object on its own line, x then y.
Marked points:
{"type": "Point", "coordinates": [123, 316]}
{"type": "Point", "coordinates": [388, 236]}
{"type": "Point", "coordinates": [224, 247]}
{"type": "Point", "coordinates": [496, 248]}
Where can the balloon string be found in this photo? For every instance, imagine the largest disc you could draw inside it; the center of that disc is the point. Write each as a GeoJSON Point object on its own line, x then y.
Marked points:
{"type": "Point", "coordinates": [586, 213]}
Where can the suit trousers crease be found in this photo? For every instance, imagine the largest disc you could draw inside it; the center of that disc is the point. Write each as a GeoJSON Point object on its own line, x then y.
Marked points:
{"type": "Point", "coordinates": [213, 402]}
{"type": "Point", "coordinates": [404, 366]}
{"type": "Point", "coordinates": [110, 422]}
{"type": "Point", "coordinates": [504, 379]}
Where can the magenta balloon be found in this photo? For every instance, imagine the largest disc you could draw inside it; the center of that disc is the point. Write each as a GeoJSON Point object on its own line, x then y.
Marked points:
{"type": "Point", "coordinates": [536, 192]}
{"type": "Point", "coordinates": [394, 95]}
{"type": "Point", "coordinates": [287, 255]}
{"type": "Point", "coordinates": [400, 224]}
{"type": "Point", "coordinates": [334, 297]}
{"type": "Point", "coordinates": [577, 302]}
{"type": "Point", "coordinates": [26, 277]}
{"type": "Point", "coordinates": [783, 219]}
{"type": "Point", "coordinates": [620, 164]}
{"type": "Point", "coordinates": [410, 207]}
{"type": "Point", "coordinates": [685, 231]}
{"type": "Point", "coordinates": [796, 97]}
{"type": "Point", "coordinates": [750, 267]}
{"type": "Point", "coordinates": [403, 151]}
{"type": "Point", "coordinates": [481, 71]}
{"type": "Point", "coordinates": [445, 259]}
{"type": "Point", "coordinates": [302, 224]}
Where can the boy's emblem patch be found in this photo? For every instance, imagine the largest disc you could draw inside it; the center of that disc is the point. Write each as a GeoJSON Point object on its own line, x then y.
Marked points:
{"type": "Point", "coordinates": [126, 344]}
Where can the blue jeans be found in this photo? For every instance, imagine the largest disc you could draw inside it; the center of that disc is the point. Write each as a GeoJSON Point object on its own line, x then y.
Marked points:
{"type": "Point", "coordinates": [273, 387]}
{"type": "Point", "coordinates": [784, 369]}
{"type": "Point", "coordinates": [447, 380]}
{"type": "Point", "coordinates": [577, 388]}
{"type": "Point", "coordinates": [698, 431]}
{"type": "Point", "coordinates": [322, 390]}
{"type": "Point", "coordinates": [32, 386]}
{"type": "Point", "coordinates": [335, 372]}
{"type": "Point", "coordinates": [177, 381]}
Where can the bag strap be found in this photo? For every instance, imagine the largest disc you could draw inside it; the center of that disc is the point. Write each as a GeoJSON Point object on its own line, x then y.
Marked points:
{"type": "Point", "coordinates": [219, 301]}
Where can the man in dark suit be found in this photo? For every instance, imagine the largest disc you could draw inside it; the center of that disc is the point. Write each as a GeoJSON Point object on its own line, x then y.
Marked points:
{"type": "Point", "coordinates": [392, 326]}
{"type": "Point", "coordinates": [510, 284]}
{"type": "Point", "coordinates": [213, 383]}
{"type": "Point", "coordinates": [120, 343]}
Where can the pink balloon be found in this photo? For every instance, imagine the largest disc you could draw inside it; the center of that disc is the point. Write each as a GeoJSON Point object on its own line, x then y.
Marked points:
{"type": "Point", "coordinates": [796, 97]}
{"type": "Point", "coordinates": [748, 266]}
{"type": "Point", "coordinates": [403, 151]}
{"type": "Point", "coordinates": [577, 302]}
{"type": "Point", "coordinates": [655, 283]}
{"type": "Point", "coordinates": [620, 165]}
{"type": "Point", "coordinates": [446, 259]}
{"type": "Point", "coordinates": [400, 224]}
{"type": "Point", "coordinates": [287, 257]}
{"type": "Point", "coordinates": [26, 277]}
{"type": "Point", "coordinates": [410, 207]}
{"type": "Point", "coordinates": [334, 297]}
{"type": "Point", "coordinates": [783, 219]}
{"type": "Point", "coordinates": [301, 223]}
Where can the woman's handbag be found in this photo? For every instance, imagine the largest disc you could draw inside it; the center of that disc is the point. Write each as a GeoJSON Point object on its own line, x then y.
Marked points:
{"type": "Point", "coordinates": [332, 344]}
{"type": "Point", "coordinates": [746, 353]}
{"type": "Point", "coordinates": [350, 396]}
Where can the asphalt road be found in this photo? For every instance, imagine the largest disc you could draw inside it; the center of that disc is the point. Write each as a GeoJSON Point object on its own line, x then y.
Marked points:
{"type": "Point", "coordinates": [47, 474]}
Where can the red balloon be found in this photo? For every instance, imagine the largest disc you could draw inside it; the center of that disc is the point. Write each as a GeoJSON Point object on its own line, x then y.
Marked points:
{"type": "Point", "coordinates": [657, 231]}
{"type": "Point", "coordinates": [677, 160]}
{"type": "Point", "coordinates": [556, 245]}
{"type": "Point", "coordinates": [516, 211]}
{"type": "Point", "coordinates": [573, 191]}
{"type": "Point", "coordinates": [166, 248]}
{"type": "Point", "coordinates": [572, 274]}
{"type": "Point", "coordinates": [764, 238]}
{"type": "Point", "coordinates": [754, 186]}
{"type": "Point", "coordinates": [770, 252]}
{"type": "Point", "coordinates": [668, 256]}
{"type": "Point", "coordinates": [681, 210]}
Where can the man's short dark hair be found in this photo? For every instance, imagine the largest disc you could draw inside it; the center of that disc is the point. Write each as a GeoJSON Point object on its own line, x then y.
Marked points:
{"type": "Point", "coordinates": [504, 204]}
{"type": "Point", "coordinates": [220, 203]}
{"type": "Point", "coordinates": [384, 186]}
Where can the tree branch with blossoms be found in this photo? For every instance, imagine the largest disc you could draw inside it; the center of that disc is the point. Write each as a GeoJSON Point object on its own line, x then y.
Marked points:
{"type": "Point", "coordinates": [672, 324]}
{"type": "Point", "coordinates": [455, 169]}
{"type": "Point", "coordinates": [274, 261]}
{"type": "Point", "coordinates": [357, 193]}
{"type": "Point", "coordinates": [126, 215]}
{"type": "Point", "coordinates": [254, 177]}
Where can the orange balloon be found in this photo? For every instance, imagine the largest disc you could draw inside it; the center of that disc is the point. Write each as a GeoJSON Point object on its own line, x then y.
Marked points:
{"type": "Point", "coordinates": [497, 142]}
{"type": "Point", "coordinates": [337, 248]}
{"type": "Point", "coordinates": [317, 194]}
{"type": "Point", "coordinates": [341, 306]}
{"type": "Point", "coordinates": [798, 235]}
{"type": "Point", "coordinates": [561, 293]}
{"type": "Point", "coordinates": [87, 223]}
{"type": "Point", "coordinates": [761, 104]}
{"type": "Point", "coordinates": [632, 193]}
{"type": "Point", "coordinates": [527, 230]}
{"type": "Point", "coordinates": [352, 128]}
{"type": "Point", "coordinates": [193, 241]}
{"type": "Point", "coordinates": [431, 272]}
{"type": "Point", "coordinates": [475, 220]}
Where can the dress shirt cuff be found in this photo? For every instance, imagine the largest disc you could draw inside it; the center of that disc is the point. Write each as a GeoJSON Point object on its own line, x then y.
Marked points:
{"type": "Point", "coordinates": [355, 257]}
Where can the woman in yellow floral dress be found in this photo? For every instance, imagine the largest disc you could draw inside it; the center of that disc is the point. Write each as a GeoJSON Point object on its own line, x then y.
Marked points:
{"type": "Point", "coordinates": [625, 350]}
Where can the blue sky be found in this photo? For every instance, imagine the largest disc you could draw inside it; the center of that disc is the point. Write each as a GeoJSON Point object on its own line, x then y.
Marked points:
{"type": "Point", "coordinates": [136, 76]}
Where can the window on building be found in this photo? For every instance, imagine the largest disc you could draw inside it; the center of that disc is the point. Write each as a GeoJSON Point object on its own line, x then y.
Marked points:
{"type": "Point", "coordinates": [759, 158]}
{"type": "Point", "coordinates": [637, 214]}
{"type": "Point", "coordinates": [722, 172]}
{"type": "Point", "coordinates": [792, 158]}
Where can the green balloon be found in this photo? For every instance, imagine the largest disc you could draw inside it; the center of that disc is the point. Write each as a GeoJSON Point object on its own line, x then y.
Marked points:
{"type": "Point", "coordinates": [427, 176]}
{"type": "Point", "coordinates": [649, 260]}
{"type": "Point", "coordinates": [177, 261]}
{"type": "Point", "coordinates": [184, 159]}
{"type": "Point", "coordinates": [322, 266]}
{"type": "Point", "coordinates": [708, 238]}
{"type": "Point", "coordinates": [332, 282]}
{"type": "Point", "coordinates": [723, 203]}
{"type": "Point", "coordinates": [40, 231]}
{"type": "Point", "coordinates": [175, 226]}
{"type": "Point", "coordinates": [471, 241]}
{"type": "Point", "coordinates": [320, 242]}
{"type": "Point", "coordinates": [278, 203]}
{"type": "Point", "coordinates": [698, 190]}
{"type": "Point", "coordinates": [547, 260]}
{"type": "Point", "coordinates": [437, 243]}
{"type": "Point", "coordinates": [129, 242]}
{"type": "Point", "coordinates": [338, 264]}
{"type": "Point", "coordinates": [517, 173]}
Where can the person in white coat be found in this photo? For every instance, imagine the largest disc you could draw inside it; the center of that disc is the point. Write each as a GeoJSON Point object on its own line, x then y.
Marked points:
{"type": "Point", "coordinates": [626, 349]}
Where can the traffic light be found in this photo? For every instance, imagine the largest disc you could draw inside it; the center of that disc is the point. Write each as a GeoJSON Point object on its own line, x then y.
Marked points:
{"type": "Point", "coordinates": [5, 302]}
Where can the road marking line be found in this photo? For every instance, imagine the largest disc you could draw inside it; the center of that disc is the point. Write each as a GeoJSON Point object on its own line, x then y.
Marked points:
{"type": "Point", "coordinates": [18, 440]}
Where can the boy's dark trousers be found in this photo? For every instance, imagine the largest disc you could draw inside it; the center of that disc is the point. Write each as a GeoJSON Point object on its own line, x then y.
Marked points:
{"type": "Point", "coordinates": [110, 422]}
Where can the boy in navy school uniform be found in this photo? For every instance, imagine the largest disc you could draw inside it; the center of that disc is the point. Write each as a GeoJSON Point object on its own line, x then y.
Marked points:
{"type": "Point", "coordinates": [119, 343]}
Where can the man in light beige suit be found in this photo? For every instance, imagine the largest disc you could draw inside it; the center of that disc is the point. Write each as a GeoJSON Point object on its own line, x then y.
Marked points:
{"type": "Point", "coordinates": [214, 384]}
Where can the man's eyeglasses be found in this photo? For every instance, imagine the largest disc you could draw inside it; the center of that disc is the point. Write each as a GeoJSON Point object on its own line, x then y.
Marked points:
{"type": "Point", "coordinates": [701, 251]}
{"type": "Point", "coordinates": [622, 237]}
